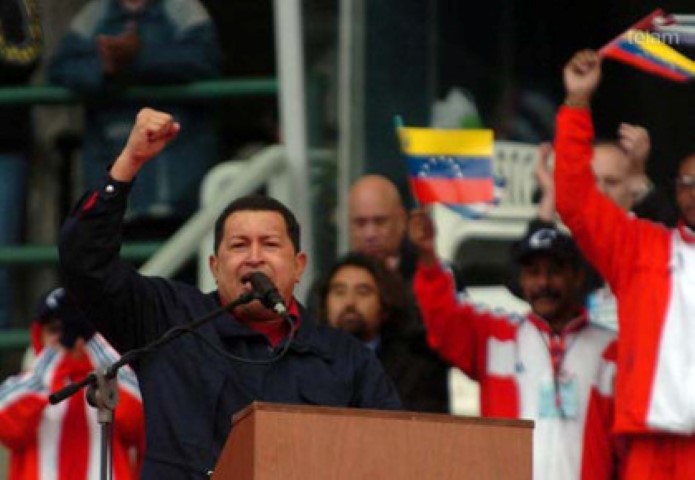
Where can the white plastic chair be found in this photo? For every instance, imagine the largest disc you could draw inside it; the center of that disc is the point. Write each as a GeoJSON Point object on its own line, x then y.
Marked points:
{"type": "Point", "coordinates": [514, 163]}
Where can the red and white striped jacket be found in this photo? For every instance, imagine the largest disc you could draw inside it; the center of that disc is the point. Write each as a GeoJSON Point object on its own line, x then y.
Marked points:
{"type": "Point", "coordinates": [510, 356]}
{"type": "Point", "coordinates": [651, 271]}
{"type": "Point", "coordinates": [59, 442]}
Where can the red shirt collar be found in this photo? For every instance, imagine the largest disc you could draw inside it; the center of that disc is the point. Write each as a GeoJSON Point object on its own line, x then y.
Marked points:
{"type": "Point", "coordinates": [686, 233]}
{"type": "Point", "coordinates": [574, 325]}
{"type": "Point", "coordinates": [275, 331]}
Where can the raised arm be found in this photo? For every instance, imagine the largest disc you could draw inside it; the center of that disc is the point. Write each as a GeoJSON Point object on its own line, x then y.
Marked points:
{"type": "Point", "coordinates": [457, 330]}
{"type": "Point", "coordinates": [546, 183]}
{"type": "Point", "coordinates": [121, 302]}
{"type": "Point", "coordinates": [607, 235]}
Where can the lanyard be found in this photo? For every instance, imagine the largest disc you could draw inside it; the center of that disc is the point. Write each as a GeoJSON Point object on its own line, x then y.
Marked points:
{"type": "Point", "coordinates": [557, 350]}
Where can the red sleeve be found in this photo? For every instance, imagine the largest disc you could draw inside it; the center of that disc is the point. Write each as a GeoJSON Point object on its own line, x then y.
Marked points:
{"type": "Point", "coordinates": [600, 450]}
{"type": "Point", "coordinates": [20, 420]}
{"type": "Point", "coordinates": [606, 234]}
{"type": "Point", "coordinates": [459, 331]}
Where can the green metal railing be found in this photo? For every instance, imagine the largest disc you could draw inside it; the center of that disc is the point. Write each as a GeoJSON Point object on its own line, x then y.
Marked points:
{"type": "Point", "coordinates": [190, 92]}
{"type": "Point", "coordinates": [48, 254]}
{"type": "Point", "coordinates": [14, 339]}
{"type": "Point", "coordinates": [204, 91]}
{"type": "Point", "coordinates": [28, 255]}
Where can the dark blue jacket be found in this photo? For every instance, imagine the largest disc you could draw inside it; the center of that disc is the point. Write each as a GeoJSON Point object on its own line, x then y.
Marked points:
{"type": "Point", "coordinates": [189, 391]}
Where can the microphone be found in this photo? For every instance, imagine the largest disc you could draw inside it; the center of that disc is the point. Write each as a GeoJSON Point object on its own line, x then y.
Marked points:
{"type": "Point", "coordinates": [267, 292]}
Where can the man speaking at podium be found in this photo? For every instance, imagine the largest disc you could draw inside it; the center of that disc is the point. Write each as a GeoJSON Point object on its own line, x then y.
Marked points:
{"type": "Point", "coordinates": [191, 386]}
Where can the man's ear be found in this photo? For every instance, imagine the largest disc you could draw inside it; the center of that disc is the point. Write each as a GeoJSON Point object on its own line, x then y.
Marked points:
{"type": "Point", "coordinates": [213, 264]}
{"type": "Point", "coordinates": [300, 265]}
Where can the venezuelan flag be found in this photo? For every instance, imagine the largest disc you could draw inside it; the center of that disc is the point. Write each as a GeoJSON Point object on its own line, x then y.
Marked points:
{"type": "Point", "coordinates": [453, 167]}
{"type": "Point", "coordinates": [644, 49]}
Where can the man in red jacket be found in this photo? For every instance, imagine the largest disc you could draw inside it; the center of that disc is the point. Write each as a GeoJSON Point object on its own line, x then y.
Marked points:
{"type": "Point", "coordinates": [62, 441]}
{"type": "Point", "coordinates": [651, 271]}
{"type": "Point", "coordinates": [550, 365]}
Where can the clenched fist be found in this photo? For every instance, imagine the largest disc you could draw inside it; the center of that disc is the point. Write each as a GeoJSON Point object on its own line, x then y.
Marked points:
{"type": "Point", "coordinates": [421, 232]}
{"type": "Point", "coordinates": [582, 75]}
{"type": "Point", "coordinates": [152, 132]}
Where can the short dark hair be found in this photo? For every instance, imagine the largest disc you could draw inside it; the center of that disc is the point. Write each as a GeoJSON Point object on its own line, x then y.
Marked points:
{"type": "Point", "coordinates": [259, 203]}
{"type": "Point", "coordinates": [389, 285]}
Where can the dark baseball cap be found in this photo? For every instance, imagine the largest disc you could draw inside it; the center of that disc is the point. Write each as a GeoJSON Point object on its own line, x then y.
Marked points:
{"type": "Point", "coordinates": [546, 241]}
{"type": "Point", "coordinates": [57, 305]}
{"type": "Point", "coordinates": [50, 305]}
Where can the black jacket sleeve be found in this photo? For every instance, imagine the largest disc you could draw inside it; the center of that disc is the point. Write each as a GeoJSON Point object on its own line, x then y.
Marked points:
{"type": "Point", "coordinates": [124, 305]}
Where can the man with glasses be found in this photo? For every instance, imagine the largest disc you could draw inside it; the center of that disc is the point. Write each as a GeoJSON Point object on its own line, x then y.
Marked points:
{"type": "Point", "coordinates": [651, 271]}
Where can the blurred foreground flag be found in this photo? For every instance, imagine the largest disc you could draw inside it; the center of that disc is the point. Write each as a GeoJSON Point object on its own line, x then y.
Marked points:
{"type": "Point", "coordinates": [651, 43]}
{"type": "Point", "coordinates": [453, 167]}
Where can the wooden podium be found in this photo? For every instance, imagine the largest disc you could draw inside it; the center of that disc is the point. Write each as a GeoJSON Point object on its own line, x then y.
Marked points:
{"type": "Point", "coordinates": [292, 442]}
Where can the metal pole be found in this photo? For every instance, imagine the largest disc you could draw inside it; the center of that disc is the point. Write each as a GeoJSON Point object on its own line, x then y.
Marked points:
{"type": "Point", "coordinates": [350, 108]}
{"type": "Point", "coordinates": [293, 119]}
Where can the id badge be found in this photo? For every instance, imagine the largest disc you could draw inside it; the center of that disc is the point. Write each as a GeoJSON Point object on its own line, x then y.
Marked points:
{"type": "Point", "coordinates": [569, 400]}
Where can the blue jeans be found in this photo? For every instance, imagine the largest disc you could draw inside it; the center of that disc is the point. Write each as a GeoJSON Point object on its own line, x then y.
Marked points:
{"type": "Point", "coordinates": [13, 180]}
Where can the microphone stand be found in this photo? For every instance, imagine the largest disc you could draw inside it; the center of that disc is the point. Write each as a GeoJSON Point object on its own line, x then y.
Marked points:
{"type": "Point", "coordinates": [102, 391]}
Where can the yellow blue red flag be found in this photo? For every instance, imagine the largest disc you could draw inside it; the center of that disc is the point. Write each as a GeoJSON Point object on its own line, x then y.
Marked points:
{"type": "Point", "coordinates": [650, 46]}
{"type": "Point", "coordinates": [453, 167]}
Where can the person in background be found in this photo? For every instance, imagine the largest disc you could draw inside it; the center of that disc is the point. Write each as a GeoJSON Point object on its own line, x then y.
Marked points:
{"type": "Point", "coordinates": [361, 296]}
{"type": "Point", "coordinates": [62, 441]}
{"type": "Point", "coordinates": [378, 224]}
{"type": "Point", "coordinates": [619, 168]}
{"type": "Point", "coordinates": [650, 269]}
{"type": "Point", "coordinates": [20, 50]}
{"type": "Point", "coordinates": [113, 44]}
{"type": "Point", "coordinates": [550, 365]}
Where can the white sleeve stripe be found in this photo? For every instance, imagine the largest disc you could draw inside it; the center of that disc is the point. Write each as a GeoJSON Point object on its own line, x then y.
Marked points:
{"type": "Point", "coordinates": [605, 383]}
{"type": "Point", "coordinates": [43, 363]}
{"type": "Point", "coordinates": [21, 389]}
{"type": "Point", "coordinates": [31, 381]}
{"type": "Point", "coordinates": [104, 355]}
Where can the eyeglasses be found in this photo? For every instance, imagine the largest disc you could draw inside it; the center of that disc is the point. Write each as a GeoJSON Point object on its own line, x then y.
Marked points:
{"type": "Point", "coordinates": [685, 182]}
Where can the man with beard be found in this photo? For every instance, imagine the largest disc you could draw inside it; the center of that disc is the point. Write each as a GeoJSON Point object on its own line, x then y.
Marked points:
{"type": "Point", "coordinates": [361, 296]}
{"type": "Point", "coordinates": [550, 365]}
{"type": "Point", "coordinates": [193, 385]}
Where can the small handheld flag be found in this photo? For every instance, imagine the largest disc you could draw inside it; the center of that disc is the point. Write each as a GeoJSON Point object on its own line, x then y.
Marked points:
{"type": "Point", "coordinates": [453, 167]}
{"type": "Point", "coordinates": [645, 45]}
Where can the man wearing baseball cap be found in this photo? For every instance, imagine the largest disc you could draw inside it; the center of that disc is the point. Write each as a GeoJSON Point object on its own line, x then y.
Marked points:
{"type": "Point", "coordinates": [62, 441]}
{"type": "Point", "coordinates": [550, 365]}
